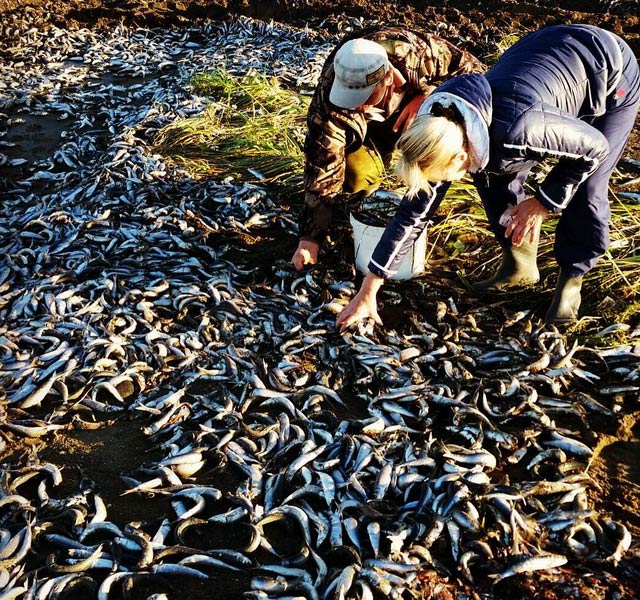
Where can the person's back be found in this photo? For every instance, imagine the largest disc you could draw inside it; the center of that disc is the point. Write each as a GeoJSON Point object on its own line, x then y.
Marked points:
{"type": "Point", "coordinates": [571, 67]}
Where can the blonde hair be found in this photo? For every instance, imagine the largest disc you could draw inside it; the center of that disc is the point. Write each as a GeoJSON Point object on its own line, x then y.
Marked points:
{"type": "Point", "coordinates": [430, 143]}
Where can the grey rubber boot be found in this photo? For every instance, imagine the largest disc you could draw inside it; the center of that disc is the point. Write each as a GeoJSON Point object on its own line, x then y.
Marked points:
{"type": "Point", "coordinates": [566, 300]}
{"type": "Point", "coordinates": [519, 267]}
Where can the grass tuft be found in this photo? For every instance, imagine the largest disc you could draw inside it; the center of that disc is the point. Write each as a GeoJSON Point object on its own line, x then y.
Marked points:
{"type": "Point", "coordinates": [251, 128]}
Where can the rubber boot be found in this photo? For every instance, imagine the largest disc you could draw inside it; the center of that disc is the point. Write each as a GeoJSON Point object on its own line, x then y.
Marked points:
{"type": "Point", "coordinates": [566, 300]}
{"type": "Point", "coordinates": [519, 267]}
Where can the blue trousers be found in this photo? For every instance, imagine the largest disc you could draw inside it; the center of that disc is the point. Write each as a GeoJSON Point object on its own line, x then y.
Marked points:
{"type": "Point", "coordinates": [582, 233]}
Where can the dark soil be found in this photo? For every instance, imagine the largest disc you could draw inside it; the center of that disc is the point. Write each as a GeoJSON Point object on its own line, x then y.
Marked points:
{"type": "Point", "coordinates": [471, 22]}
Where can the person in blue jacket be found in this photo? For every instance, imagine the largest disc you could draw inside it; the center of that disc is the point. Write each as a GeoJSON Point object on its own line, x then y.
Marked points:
{"type": "Point", "coordinates": [567, 94]}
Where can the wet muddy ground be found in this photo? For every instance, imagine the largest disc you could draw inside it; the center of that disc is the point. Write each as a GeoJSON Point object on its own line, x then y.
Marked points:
{"type": "Point", "coordinates": [103, 454]}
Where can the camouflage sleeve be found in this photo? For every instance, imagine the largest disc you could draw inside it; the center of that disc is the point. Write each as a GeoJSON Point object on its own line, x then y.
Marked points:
{"type": "Point", "coordinates": [427, 60]}
{"type": "Point", "coordinates": [443, 60]}
{"type": "Point", "coordinates": [463, 62]}
{"type": "Point", "coordinates": [324, 173]}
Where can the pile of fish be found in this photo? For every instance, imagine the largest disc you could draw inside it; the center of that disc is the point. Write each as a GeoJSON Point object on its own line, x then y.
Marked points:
{"type": "Point", "coordinates": [363, 459]}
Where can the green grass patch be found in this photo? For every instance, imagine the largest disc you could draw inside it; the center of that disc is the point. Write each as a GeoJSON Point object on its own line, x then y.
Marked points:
{"type": "Point", "coordinates": [504, 40]}
{"type": "Point", "coordinates": [251, 128]}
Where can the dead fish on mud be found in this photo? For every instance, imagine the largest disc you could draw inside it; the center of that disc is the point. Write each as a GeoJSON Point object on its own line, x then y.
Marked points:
{"type": "Point", "coordinates": [377, 454]}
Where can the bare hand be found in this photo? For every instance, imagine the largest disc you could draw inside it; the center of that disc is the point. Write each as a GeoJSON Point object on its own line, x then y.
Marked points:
{"type": "Point", "coordinates": [526, 219]}
{"type": "Point", "coordinates": [363, 304]}
{"type": "Point", "coordinates": [305, 254]}
{"type": "Point", "coordinates": [408, 113]}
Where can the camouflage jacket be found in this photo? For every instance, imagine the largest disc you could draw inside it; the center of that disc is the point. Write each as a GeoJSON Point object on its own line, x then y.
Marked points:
{"type": "Point", "coordinates": [424, 60]}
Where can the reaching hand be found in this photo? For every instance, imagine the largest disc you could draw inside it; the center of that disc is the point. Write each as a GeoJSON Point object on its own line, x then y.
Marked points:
{"type": "Point", "coordinates": [526, 219]}
{"type": "Point", "coordinates": [306, 254]}
{"type": "Point", "coordinates": [362, 305]}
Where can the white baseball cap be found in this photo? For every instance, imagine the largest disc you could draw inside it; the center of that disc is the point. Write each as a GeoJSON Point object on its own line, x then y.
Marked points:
{"type": "Point", "coordinates": [359, 65]}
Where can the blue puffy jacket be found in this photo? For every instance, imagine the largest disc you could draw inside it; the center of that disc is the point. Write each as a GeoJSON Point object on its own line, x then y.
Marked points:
{"type": "Point", "coordinates": [536, 103]}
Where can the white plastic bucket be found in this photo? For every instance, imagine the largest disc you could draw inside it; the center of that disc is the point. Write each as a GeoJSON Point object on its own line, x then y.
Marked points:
{"type": "Point", "coordinates": [365, 239]}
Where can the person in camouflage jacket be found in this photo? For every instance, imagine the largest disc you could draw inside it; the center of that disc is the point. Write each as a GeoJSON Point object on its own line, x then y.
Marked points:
{"type": "Point", "coordinates": [346, 151]}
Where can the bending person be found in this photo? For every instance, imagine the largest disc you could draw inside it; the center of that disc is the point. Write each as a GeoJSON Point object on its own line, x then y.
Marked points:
{"type": "Point", "coordinates": [568, 93]}
{"type": "Point", "coordinates": [370, 89]}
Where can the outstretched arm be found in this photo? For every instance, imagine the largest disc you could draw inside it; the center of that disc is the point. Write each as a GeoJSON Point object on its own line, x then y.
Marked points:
{"type": "Point", "coordinates": [363, 304]}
